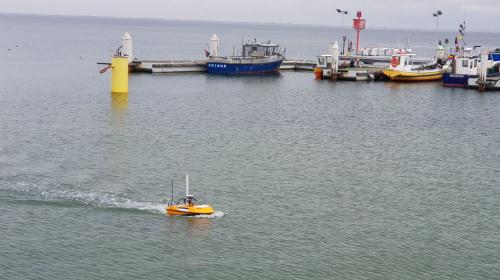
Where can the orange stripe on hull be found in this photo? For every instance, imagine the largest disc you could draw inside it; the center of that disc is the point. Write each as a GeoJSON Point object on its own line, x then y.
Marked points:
{"type": "Point", "coordinates": [178, 213]}
{"type": "Point", "coordinates": [418, 79]}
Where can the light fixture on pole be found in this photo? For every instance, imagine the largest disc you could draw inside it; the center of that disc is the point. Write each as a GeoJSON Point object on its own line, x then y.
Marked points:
{"type": "Point", "coordinates": [436, 15]}
{"type": "Point", "coordinates": [342, 13]}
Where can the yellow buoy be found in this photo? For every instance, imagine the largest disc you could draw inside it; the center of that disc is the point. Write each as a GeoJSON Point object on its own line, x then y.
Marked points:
{"type": "Point", "coordinates": [119, 74]}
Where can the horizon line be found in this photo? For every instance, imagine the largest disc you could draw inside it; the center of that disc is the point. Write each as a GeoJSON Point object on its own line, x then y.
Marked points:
{"type": "Point", "coordinates": [227, 22]}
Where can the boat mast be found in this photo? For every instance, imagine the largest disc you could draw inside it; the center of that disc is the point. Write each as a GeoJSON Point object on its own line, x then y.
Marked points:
{"type": "Point", "coordinates": [187, 184]}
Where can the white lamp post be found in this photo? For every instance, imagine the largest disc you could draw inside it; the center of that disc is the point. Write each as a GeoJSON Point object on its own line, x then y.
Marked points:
{"type": "Point", "coordinates": [342, 13]}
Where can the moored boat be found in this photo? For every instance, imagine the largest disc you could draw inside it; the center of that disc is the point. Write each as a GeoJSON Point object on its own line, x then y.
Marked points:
{"type": "Point", "coordinates": [255, 58]}
{"type": "Point", "coordinates": [491, 76]}
{"type": "Point", "coordinates": [463, 67]}
{"type": "Point", "coordinates": [401, 69]}
{"type": "Point", "coordinates": [465, 70]}
{"type": "Point", "coordinates": [465, 63]}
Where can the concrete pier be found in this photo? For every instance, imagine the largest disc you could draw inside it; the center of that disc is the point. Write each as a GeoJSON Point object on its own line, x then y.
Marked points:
{"type": "Point", "coordinates": [169, 66]}
{"type": "Point", "coordinates": [200, 66]}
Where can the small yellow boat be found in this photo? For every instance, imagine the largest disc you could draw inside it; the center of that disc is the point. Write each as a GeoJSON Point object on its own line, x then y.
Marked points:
{"type": "Point", "coordinates": [402, 70]}
{"type": "Point", "coordinates": [413, 76]}
{"type": "Point", "coordinates": [186, 206]}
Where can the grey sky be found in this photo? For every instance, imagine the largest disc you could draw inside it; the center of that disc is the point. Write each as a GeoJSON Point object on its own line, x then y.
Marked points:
{"type": "Point", "coordinates": [481, 15]}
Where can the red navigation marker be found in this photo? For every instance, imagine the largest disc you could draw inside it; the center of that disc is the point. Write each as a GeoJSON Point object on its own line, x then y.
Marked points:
{"type": "Point", "coordinates": [358, 24]}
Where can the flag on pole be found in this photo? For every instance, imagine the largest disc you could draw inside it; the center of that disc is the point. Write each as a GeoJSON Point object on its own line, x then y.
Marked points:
{"type": "Point", "coordinates": [103, 70]}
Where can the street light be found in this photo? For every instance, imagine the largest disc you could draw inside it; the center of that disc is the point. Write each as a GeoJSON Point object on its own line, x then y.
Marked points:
{"type": "Point", "coordinates": [342, 13]}
{"type": "Point", "coordinates": [436, 15]}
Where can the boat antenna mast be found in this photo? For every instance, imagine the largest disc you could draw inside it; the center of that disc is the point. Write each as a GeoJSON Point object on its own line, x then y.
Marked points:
{"type": "Point", "coordinates": [462, 34]}
{"type": "Point", "coordinates": [171, 200]}
{"type": "Point", "coordinates": [189, 197]}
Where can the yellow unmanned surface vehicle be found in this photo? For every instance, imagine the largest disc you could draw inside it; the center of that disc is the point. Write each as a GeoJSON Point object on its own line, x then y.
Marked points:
{"type": "Point", "coordinates": [186, 206]}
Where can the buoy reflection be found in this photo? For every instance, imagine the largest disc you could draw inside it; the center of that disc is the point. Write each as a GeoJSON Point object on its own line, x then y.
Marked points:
{"type": "Point", "coordinates": [119, 101]}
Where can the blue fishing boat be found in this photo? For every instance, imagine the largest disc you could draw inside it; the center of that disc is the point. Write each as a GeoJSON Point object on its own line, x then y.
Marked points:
{"type": "Point", "coordinates": [255, 58]}
{"type": "Point", "coordinates": [465, 68]}
{"type": "Point", "coordinates": [465, 65]}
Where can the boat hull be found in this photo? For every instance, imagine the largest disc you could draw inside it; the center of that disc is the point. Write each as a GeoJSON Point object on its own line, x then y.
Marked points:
{"type": "Point", "coordinates": [235, 68]}
{"type": "Point", "coordinates": [417, 76]}
{"type": "Point", "coordinates": [455, 80]}
{"type": "Point", "coordinates": [186, 210]}
{"type": "Point", "coordinates": [491, 83]}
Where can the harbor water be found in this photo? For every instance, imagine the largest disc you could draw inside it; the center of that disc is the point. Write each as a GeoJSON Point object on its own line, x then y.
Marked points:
{"type": "Point", "coordinates": [311, 179]}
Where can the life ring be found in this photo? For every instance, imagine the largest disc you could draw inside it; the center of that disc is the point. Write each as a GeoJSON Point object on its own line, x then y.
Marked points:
{"type": "Point", "coordinates": [395, 61]}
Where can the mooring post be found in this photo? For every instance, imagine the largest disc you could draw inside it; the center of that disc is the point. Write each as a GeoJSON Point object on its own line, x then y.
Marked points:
{"type": "Point", "coordinates": [483, 70]}
{"type": "Point", "coordinates": [335, 53]}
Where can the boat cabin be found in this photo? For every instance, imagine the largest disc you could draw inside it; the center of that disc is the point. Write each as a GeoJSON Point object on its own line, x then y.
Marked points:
{"type": "Point", "coordinates": [324, 61]}
{"type": "Point", "coordinates": [465, 65]}
{"type": "Point", "coordinates": [402, 61]}
{"type": "Point", "coordinates": [260, 50]}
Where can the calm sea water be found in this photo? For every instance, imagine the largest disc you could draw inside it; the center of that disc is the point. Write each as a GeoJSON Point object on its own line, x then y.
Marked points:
{"type": "Point", "coordinates": [311, 179]}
